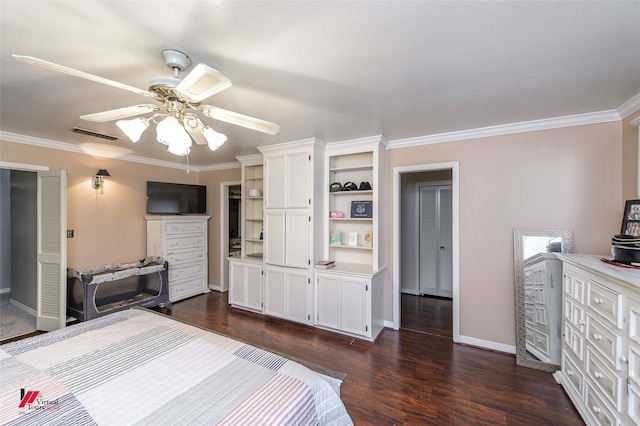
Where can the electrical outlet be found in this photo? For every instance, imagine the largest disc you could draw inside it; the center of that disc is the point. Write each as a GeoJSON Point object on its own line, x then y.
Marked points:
{"type": "Point", "coordinates": [69, 233]}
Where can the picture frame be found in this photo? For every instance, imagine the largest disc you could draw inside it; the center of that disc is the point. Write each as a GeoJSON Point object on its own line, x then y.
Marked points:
{"type": "Point", "coordinates": [631, 218]}
{"type": "Point", "coordinates": [361, 209]}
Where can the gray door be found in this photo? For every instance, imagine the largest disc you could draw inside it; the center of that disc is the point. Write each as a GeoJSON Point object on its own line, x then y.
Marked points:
{"type": "Point", "coordinates": [436, 265]}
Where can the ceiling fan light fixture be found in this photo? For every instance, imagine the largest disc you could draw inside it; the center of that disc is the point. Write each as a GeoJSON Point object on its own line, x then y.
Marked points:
{"type": "Point", "coordinates": [133, 128]}
{"type": "Point", "coordinates": [170, 132]}
{"type": "Point", "coordinates": [214, 139]}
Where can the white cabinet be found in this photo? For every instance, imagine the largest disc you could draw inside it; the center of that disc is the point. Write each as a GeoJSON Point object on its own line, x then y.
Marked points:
{"type": "Point", "coordinates": [600, 349]}
{"type": "Point", "coordinates": [293, 200]}
{"type": "Point", "coordinates": [288, 177]}
{"type": "Point", "coordinates": [288, 293]}
{"type": "Point", "coordinates": [181, 241]}
{"type": "Point", "coordinates": [349, 302]}
{"type": "Point", "coordinates": [287, 238]}
{"type": "Point", "coordinates": [245, 283]}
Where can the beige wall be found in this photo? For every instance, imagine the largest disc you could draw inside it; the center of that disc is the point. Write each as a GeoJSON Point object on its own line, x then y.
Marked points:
{"type": "Point", "coordinates": [562, 178]}
{"type": "Point", "coordinates": [110, 227]}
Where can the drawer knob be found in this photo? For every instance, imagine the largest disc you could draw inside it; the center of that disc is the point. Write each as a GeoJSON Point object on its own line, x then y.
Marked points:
{"type": "Point", "coordinates": [598, 375]}
{"type": "Point", "coordinates": [598, 300]}
{"type": "Point", "coordinates": [596, 409]}
{"type": "Point", "coordinates": [597, 336]}
{"type": "Point", "coordinates": [582, 322]}
{"type": "Point", "coordinates": [569, 373]}
{"type": "Point", "coordinates": [624, 359]}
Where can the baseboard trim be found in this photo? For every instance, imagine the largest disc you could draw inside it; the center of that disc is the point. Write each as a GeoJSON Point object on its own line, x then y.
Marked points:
{"type": "Point", "coordinates": [487, 344]}
{"type": "Point", "coordinates": [23, 307]}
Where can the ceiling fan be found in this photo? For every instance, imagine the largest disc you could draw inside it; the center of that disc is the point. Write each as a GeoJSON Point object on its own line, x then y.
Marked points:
{"type": "Point", "coordinates": [176, 123]}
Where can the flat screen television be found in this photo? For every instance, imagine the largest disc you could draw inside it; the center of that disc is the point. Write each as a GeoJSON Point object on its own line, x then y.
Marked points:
{"type": "Point", "coordinates": [176, 198]}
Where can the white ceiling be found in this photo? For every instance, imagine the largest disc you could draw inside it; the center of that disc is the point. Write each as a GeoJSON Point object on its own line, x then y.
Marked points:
{"type": "Point", "coordinates": [331, 70]}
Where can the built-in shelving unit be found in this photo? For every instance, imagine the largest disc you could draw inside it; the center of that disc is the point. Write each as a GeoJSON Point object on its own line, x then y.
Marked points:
{"type": "Point", "coordinates": [252, 206]}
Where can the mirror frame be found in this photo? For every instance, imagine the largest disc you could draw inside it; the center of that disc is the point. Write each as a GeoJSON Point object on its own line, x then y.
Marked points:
{"type": "Point", "coordinates": [566, 236]}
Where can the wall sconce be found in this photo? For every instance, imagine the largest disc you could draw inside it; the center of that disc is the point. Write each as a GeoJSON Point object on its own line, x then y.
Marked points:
{"type": "Point", "coordinates": [98, 180]}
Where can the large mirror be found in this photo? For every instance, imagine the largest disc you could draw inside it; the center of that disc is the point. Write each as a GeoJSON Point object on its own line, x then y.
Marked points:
{"type": "Point", "coordinates": [538, 281]}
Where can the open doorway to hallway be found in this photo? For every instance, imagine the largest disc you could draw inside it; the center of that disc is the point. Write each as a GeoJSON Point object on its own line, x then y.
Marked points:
{"type": "Point", "coordinates": [426, 274]}
{"type": "Point", "coordinates": [426, 229]}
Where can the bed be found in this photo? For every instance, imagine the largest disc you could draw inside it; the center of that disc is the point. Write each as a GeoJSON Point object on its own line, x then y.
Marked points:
{"type": "Point", "coordinates": [141, 367]}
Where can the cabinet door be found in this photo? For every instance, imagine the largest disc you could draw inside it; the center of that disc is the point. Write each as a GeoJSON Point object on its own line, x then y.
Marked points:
{"type": "Point", "coordinates": [253, 284]}
{"type": "Point", "coordinates": [354, 308]}
{"type": "Point", "coordinates": [274, 292]}
{"type": "Point", "coordinates": [274, 177]}
{"type": "Point", "coordinates": [274, 239]}
{"type": "Point", "coordinates": [328, 302]}
{"type": "Point", "coordinates": [296, 237]}
{"type": "Point", "coordinates": [297, 180]}
{"type": "Point", "coordinates": [236, 284]}
{"type": "Point", "coordinates": [298, 292]}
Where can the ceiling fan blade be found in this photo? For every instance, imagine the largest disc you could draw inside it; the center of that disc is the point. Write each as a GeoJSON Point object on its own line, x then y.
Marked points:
{"type": "Point", "coordinates": [202, 82]}
{"type": "Point", "coordinates": [194, 127]}
{"type": "Point", "coordinates": [240, 119]}
{"type": "Point", "coordinates": [119, 113]}
{"type": "Point", "coordinates": [81, 74]}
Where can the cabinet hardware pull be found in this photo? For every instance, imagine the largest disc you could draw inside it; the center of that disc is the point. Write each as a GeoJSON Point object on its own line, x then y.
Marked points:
{"type": "Point", "coordinates": [624, 359]}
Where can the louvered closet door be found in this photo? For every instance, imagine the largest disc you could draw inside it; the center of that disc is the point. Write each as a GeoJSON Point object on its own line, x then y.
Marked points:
{"type": "Point", "coordinates": [52, 250]}
{"type": "Point", "coordinates": [436, 264]}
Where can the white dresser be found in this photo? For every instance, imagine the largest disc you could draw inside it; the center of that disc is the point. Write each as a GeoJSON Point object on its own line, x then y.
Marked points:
{"type": "Point", "coordinates": [600, 366]}
{"type": "Point", "coordinates": [182, 241]}
{"type": "Point", "coordinates": [542, 306]}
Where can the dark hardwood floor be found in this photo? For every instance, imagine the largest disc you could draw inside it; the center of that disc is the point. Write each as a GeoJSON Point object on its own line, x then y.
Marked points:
{"type": "Point", "coordinates": [427, 314]}
{"type": "Point", "coordinates": [405, 377]}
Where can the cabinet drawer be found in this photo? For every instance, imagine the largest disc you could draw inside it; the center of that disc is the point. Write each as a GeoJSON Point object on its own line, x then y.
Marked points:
{"type": "Point", "coordinates": [573, 341]}
{"type": "Point", "coordinates": [598, 409]}
{"type": "Point", "coordinates": [186, 288]}
{"type": "Point", "coordinates": [185, 242]}
{"type": "Point", "coordinates": [542, 342]}
{"type": "Point", "coordinates": [605, 378]}
{"type": "Point", "coordinates": [634, 363]}
{"type": "Point", "coordinates": [606, 303]}
{"type": "Point", "coordinates": [605, 340]}
{"type": "Point", "coordinates": [633, 404]}
{"type": "Point", "coordinates": [573, 373]}
{"type": "Point", "coordinates": [180, 257]}
{"type": "Point", "coordinates": [186, 270]}
{"type": "Point", "coordinates": [574, 314]}
{"type": "Point", "coordinates": [181, 228]}
{"type": "Point", "coordinates": [574, 285]}
{"type": "Point", "coordinates": [528, 315]}
{"type": "Point", "coordinates": [528, 277]}
{"type": "Point", "coordinates": [528, 296]}
{"type": "Point", "coordinates": [530, 336]}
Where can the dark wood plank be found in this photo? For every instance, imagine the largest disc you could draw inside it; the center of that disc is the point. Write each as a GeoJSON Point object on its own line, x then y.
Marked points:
{"type": "Point", "coordinates": [405, 377]}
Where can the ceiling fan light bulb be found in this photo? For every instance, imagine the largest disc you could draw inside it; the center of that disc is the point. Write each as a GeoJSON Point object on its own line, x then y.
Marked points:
{"type": "Point", "coordinates": [214, 139]}
{"type": "Point", "coordinates": [133, 128]}
{"type": "Point", "coordinates": [168, 130]}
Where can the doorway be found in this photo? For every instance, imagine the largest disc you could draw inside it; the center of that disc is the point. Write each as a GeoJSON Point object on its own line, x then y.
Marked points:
{"type": "Point", "coordinates": [230, 229]}
{"type": "Point", "coordinates": [438, 314]}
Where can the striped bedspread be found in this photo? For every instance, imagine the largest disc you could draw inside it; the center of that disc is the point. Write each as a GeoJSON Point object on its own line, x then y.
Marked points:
{"type": "Point", "coordinates": [138, 367]}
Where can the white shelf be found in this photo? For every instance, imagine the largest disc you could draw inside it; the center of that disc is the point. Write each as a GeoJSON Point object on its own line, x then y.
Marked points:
{"type": "Point", "coordinates": [254, 219]}
{"type": "Point", "coordinates": [351, 169]}
{"type": "Point", "coordinates": [366, 191]}
{"type": "Point", "coordinates": [253, 178]}
{"type": "Point", "coordinates": [351, 219]}
{"type": "Point", "coordinates": [253, 198]}
{"type": "Point", "coordinates": [254, 240]}
{"type": "Point", "coordinates": [346, 246]}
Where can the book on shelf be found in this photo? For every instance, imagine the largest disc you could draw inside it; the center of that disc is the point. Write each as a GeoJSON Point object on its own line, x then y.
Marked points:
{"type": "Point", "coordinates": [336, 237]}
{"type": "Point", "coordinates": [325, 264]}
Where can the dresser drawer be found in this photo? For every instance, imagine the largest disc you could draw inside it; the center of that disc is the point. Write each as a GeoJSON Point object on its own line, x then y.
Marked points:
{"type": "Point", "coordinates": [178, 258]}
{"type": "Point", "coordinates": [598, 409]}
{"type": "Point", "coordinates": [185, 227]}
{"type": "Point", "coordinates": [187, 270]}
{"type": "Point", "coordinates": [573, 373]}
{"type": "Point", "coordinates": [633, 404]}
{"type": "Point", "coordinates": [529, 318]}
{"type": "Point", "coordinates": [530, 335]}
{"type": "Point", "coordinates": [528, 277]}
{"type": "Point", "coordinates": [606, 303]}
{"type": "Point", "coordinates": [605, 340]}
{"type": "Point", "coordinates": [573, 342]}
{"type": "Point", "coordinates": [605, 378]}
{"type": "Point", "coordinates": [542, 342]}
{"type": "Point", "coordinates": [634, 363]}
{"type": "Point", "coordinates": [187, 287]}
{"type": "Point", "coordinates": [633, 309]}
{"type": "Point", "coordinates": [574, 314]}
{"type": "Point", "coordinates": [574, 285]}
{"type": "Point", "coordinates": [185, 242]}
{"type": "Point", "coordinates": [528, 296]}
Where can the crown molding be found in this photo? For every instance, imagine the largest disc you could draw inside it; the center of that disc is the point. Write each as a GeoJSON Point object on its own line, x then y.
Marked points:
{"type": "Point", "coordinates": [69, 147]}
{"type": "Point", "coordinates": [629, 107]}
{"type": "Point", "coordinates": [507, 129]}
{"type": "Point", "coordinates": [223, 166]}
